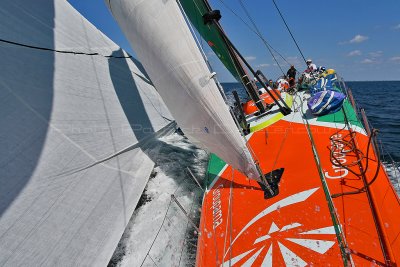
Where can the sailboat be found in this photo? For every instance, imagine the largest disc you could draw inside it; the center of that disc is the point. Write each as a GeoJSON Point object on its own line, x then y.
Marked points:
{"type": "Point", "coordinates": [285, 186]}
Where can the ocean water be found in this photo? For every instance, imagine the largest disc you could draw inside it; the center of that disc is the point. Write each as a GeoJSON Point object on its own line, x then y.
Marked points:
{"type": "Point", "coordinates": [381, 101]}
{"type": "Point", "coordinates": [159, 233]}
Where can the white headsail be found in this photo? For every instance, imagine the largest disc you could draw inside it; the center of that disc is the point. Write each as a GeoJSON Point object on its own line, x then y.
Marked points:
{"type": "Point", "coordinates": [165, 46]}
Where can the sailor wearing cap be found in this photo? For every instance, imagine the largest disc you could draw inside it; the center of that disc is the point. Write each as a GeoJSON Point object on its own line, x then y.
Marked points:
{"type": "Point", "coordinates": [311, 67]}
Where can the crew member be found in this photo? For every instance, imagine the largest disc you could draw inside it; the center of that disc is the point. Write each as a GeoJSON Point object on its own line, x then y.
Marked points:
{"type": "Point", "coordinates": [283, 84]}
{"type": "Point", "coordinates": [311, 67]}
{"type": "Point", "coordinates": [271, 83]}
{"type": "Point", "coordinates": [291, 74]}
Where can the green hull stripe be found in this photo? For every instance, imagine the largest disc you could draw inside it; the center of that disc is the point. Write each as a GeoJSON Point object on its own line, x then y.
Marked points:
{"type": "Point", "coordinates": [215, 165]}
{"type": "Point", "coordinates": [338, 117]}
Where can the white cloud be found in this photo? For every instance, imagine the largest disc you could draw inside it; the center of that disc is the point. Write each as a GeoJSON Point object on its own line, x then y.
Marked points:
{"type": "Point", "coordinates": [395, 59]}
{"type": "Point", "coordinates": [376, 54]}
{"type": "Point", "coordinates": [354, 53]}
{"type": "Point", "coordinates": [358, 39]}
{"type": "Point", "coordinates": [367, 61]}
{"type": "Point", "coordinates": [250, 58]}
{"type": "Point", "coordinates": [295, 61]}
{"type": "Point", "coordinates": [397, 27]}
{"type": "Point", "coordinates": [263, 65]}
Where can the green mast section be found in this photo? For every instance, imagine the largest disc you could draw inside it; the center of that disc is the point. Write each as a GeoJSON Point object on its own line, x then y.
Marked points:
{"type": "Point", "coordinates": [195, 9]}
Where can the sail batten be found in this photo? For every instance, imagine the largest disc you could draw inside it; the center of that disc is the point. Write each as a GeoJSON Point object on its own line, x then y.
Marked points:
{"type": "Point", "coordinates": [165, 46]}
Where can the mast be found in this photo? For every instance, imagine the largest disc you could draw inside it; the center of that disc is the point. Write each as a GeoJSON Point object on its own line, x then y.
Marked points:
{"type": "Point", "coordinates": [206, 22]}
{"type": "Point", "coordinates": [212, 32]}
{"type": "Point", "coordinates": [285, 110]}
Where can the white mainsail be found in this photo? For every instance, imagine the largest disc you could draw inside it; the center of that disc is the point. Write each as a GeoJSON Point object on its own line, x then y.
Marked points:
{"type": "Point", "coordinates": [165, 46]}
{"type": "Point", "coordinates": [72, 128]}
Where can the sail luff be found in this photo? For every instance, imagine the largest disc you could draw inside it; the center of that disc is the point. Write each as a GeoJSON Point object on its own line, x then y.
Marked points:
{"type": "Point", "coordinates": [165, 46]}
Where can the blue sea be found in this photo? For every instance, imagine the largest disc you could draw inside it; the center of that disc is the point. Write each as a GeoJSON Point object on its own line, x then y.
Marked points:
{"type": "Point", "coordinates": [381, 101]}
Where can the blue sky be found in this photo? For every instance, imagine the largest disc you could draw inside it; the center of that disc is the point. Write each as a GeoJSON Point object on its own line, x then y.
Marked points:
{"type": "Point", "coordinates": [360, 39]}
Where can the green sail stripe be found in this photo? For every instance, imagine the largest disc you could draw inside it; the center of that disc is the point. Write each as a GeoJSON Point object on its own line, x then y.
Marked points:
{"type": "Point", "coordinates": [195, 9]}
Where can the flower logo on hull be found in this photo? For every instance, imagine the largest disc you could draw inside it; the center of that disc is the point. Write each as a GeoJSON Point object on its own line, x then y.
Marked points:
{"type": "Point", "coordinates": [276, 238]}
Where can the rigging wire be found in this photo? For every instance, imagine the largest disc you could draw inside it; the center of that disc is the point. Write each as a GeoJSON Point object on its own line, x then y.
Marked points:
{"type": "Point", "coordinates": [281, 146]}
{"type": "Point", "coordinates": [372, 139]}
{"type": "Point", "coordinates": [152, 260]}
{"type": "Point", "coordinates": [346, 257]}
{"type": "Point", "coordinates": [163, 221]}
{"type": "Point", "coordinates": [287, 27]}
{"type": "Point", "coordinates": [255, 32]}
{"type": "Point", "coordinates": [241, 77]}
{"type": "Point", "coordinates": [365, 189]}
{"type": "Point", "coordinates": [260, 35]}
{"type": "Point", "coordinates": [198, 39]}
{"type": "Point", "coordinates": [61, 51]}
{"type": "Point", "coordinates": [285, 110]}
{"type": "Point", "coordinates": [158, 232]}
{"type": "Point", "coordinates": [186, 230]}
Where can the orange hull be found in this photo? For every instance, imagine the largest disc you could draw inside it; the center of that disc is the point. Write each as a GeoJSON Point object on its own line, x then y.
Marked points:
{"type": "Point", "coordinates": [311, 222]}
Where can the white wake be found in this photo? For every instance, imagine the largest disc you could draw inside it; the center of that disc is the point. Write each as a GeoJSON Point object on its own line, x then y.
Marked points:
{"type": "Point", "coordinates": [158, 233]}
